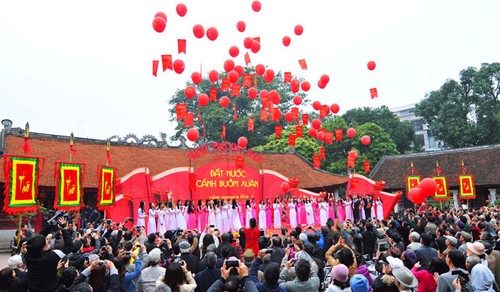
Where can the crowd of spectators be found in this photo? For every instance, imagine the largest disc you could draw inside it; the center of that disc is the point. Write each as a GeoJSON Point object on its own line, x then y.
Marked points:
{"type": "Point", "coordinates": [428, 250]}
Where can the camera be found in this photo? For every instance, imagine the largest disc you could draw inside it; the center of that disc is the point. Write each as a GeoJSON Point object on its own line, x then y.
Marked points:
{"type": "Point", "coordinates": [268, 251]}
{"type": "Point", "coordinates": [101, 263]}
{"type": "Point", "coordinates": [291, 245]}
{"type": "Point", "coordinates": [128, 253]}
{"type": "Point", "coordinates": [57, 215]}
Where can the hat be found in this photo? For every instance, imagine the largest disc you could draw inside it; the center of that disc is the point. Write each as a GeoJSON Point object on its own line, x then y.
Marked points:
{"type": "Point", "coordinates": [340, 273]}
{"type": "Point", "coordinates": [410, 255]}
{"type": "Point", "coordinates": [330, 222]}
{"type": "Point", "coordinates": [395, 263]}
{"type": "Point", "coordinates": [184, 246]}
{"type": "Point", "coordinates": [359, 283]}
{"type": "Point", "coordinates": [451, 239]}
{"type": "Point", "coordinates": [466, 236]}
{"type": "Point", "coordinates": [405, 277]}
{"type": "Point", "coordinates": [154, 255]}
{"type": "Point", "coordinates": [476, 248]}
{"type": "Point", "coordinates": [461, 225]}
{"type": "Point", "coordinates": [248, 256]}
{"type": "Point", "coordinates": [14, 261]}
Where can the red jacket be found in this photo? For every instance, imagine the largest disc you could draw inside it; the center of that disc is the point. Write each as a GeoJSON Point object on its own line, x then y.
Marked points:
{"type": "Point", "coordinates": [252, 239]}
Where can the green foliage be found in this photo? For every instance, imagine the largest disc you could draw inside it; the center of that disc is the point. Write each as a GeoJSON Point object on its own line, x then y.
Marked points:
{"type": "Point", "coordinates": [213, 116]}
{"type": "Point", "coordinates": [466, 112]}
{"type": "Point", "coordinates": [401, 132]}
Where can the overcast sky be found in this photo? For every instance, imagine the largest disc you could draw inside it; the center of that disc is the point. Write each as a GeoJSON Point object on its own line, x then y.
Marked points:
{"type": "Point", "coordinates": [86, 66]}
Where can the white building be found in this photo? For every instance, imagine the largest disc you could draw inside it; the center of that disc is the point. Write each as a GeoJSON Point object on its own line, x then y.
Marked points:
{"type": "Point", "coordinates": [423, 132]}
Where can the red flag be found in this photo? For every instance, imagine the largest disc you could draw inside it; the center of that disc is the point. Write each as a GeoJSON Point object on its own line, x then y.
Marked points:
{"type": "Point", "coordinates": [189, 119]}
{"type": "Point", "coordinates": [265, 101]}
{"type": "Point", "coordinates": [180, 110]}
{"type": "Point", "coordinates": [350, 162]}
{"type": "Point", "coordinates": [276, 114]}
{"type": "Point", "coordinates": [223, 135]}
{"type": "Point", "coordinates": [106, 187]}
{"type": "Point", "coordinates": [247, 80]}
{"type": "Point", "coordinates": [181, 46]}
{"type": "Point", "coordinates": [298, 132]}
{"type": "Point", "coordinates": [373, 92]}
{"type": "Point", "coordinates": [235, 114]}
{"type": "Point", "coordinates": [213, 94]}
{"type": "Point", "coordinates": [366, 166]}
{"type": "Point", "coordinates": [316, 160]}
{"type": "Point", "coordinates": [224, 84]}
{"type": "Point", "coordinates": [322, 153]}
{"type": "Point", "coordinates": [278, 129]}
{"type": "Point", "coordinates": [305, 119]}
{"type": "Point", "coordinates": [295, 112]}
{"type": "Point", "coordinates": [287, 77]}
{"type": "Point", "coordinates": [291, 140]}
{"type": "Point", "coordinates": [338, 135]}
{"type": "Point", "coordinates": [303, 64]}
{"type": "Point", "coordinates": [329, 137]}
{"type": "Point", "coordinates": [256, 39]}
{"type": "Point", "coordinates": [263, 115]}
{"type": "Point", "coordinates": [166, 61]}
{"type": "Point", "coordinates": [250, 124]}
{"type": "Point", "coordinates": [155, 67]}
{"type": "Point", "coordinates": [240, 161]}
{"type": "Point", "coordinates": [255, 80]}
{"type": "Point", "coordinates": [322, 111]}
{"type": "Point", "coordinates": [235, 89]}
{"type": "Point", "coordinates": [247, 58]}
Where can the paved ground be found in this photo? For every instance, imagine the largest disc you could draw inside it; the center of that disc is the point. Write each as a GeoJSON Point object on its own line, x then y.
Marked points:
{"type": "Point", "coordinates": [3, 260]}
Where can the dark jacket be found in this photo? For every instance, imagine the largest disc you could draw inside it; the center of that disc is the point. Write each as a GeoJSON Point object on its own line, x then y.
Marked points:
{"type": "Point", "coordinates": [253, 275]}
{"type": "Point", "coordinates": [206, 278]}
{"type": "Point", "coordinates": [191, 262]}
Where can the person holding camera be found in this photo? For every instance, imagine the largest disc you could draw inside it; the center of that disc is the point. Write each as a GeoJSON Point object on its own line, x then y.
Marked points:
{"type": "Point", "coordinates": [456, 262]}
{"type": "Point", "coordinates": [176, 278]}
{"type": "Point", "coordinates": [149, 275]}
{"type": "Point", "coordinates": [271, 274]}
{"type": "Point", "coordinates": [234, 275]}
{"type": "Point", "coordinates": [341, 253]}
{"type": "Point", "coordinates": [306, 278]}
{"type": "Point", "coordinates": [101, 276]}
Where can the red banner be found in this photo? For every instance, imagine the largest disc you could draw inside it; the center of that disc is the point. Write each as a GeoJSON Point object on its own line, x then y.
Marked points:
{"type": "Point", "coordinates": [277, 130]}
{"type": "Point", "coordinates": [467, 191]}
{"type": "Point", "coordinates": [441, 189]}
{"type": "Point", "coordinates": [412, 181]}
{"type": "Point", "coordinates": [305, 119]}
{"type": "Point", "coordinates": [298, 132]}
{"type": "Point", "coordinates": [251, 123]}
{"type": "Point", "coordinates": [106, 187]}
{"type": "Point", "coordinates": [247, 80]}
{"type": "Point", "coordinates": [338, 135]}
{"type": "Point", "coordinates": [291, 139]}
{"type": "Point", "coordinates": [69, 190]}
{"type": "Point", "coordinates": [180, 110]}
{"type": "Point", "coordinates": [287, 77]}
{"type": "Point", "coordinates": [21, 188]}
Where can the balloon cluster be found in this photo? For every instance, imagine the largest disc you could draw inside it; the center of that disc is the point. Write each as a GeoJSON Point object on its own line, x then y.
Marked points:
{"type": "Point", "coordinates": [426, 188]}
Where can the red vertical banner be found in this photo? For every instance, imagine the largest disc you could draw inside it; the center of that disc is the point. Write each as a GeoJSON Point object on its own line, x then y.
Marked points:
{"type": "Point", "coordinates": [467, 190]}
{"type": "Point", "coordinates": [441, 188]}
{"type": "Point", "coordinates": [247, 80]}
{"type": "Point", "coordinates": [180, 110]}
{"type": "Point", "coordinates": [223, 134]}
{"type": "Point", "coordinates": [329, 138]}
{"type": "Point", "coordinates": [240, 162]}
{"type": "Point", "coordinates": [322, 154]}
{"type": "Point", "coordinates": [373, 92]}
{"type": "Point", "coordinates": [412, 181]}
{"type": "Point", "coordinates": [277, 130]}
{"type": "Point", "coordinates": [247, 58]}
{"type": "Point", "coordinates": [263, 115]}
{"type": "Point", "coordinates": [166, 62]}
{"type": "Point", "coordinates": [287, 77]}
{"type": "Point", "coordinates": [299, 132]}
{"type": "Point", "coordinates": [155, 67]}
{"type": "Point", "coordinates": [189, 119]}
{"type": "Point", "coordinates": [291, 140]}
{"type": "Point", "coordinates": [235, 89]}
{"type": "Point", "coordinates": [69, 189]}
{"type": "Point", "coordinates": [265, 101]}
{"type": "Point", "coordinates": [316, 160]}
{"type": "Point", "coordinates": [224, 86]}
{"type": "Point", "coordinates": [338, 135]}
{"type": "Point", "coordinates": [295, 112]}
{"type": "Point", "coordinates": [366, 166]}
{"type": "Point", "coordinates": [106, 188]}
{"type": "Point", "coordinates": [213, 94]}
{"type": "Point", "coordinates": [250, 124]}
{"type": "Point", "coordinates": [303, 64]}
{"type": "Point", "coordinates": [322, 111]}
{"type": "Point", "coordinates": [305, 119]}
{"type": "Point", "coordinates": [235, 113]}
{"type": "Point", "coordinates": [181, 46]}
{"type": "Point", "coordinates": [21, 184]}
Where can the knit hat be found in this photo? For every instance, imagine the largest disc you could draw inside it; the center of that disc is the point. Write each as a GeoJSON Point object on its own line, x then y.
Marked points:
{"type": "Point", "coordinates": [476, 248]}
{"type": "Point", "coordinates": [340, 273]}
{"type": "Point", "coordinates": [154, 255]}
{"type": "Point", "coordinates": [410, 255]}
{"type": "Point", "coordinates": [359, 283]}
{"type": "Point", "coordinates": [248, 256]}
{"type": "Point", "coordinates": [405, 277]}
{"type": "Point", "coordinates": [184, 246]}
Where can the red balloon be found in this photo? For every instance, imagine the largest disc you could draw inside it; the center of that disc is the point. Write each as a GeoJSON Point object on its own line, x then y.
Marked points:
{"type": "Point", "coordinates": [179, 66]}
{"type": "Point", "coordinates": [274, 96]}
{"type": "Point", "coordinates": [371, 65]}
{"type": "Point", "coordinates": [242, 142]}
{"type": "Point", "coordinates": [203, 99]}
{"type": "Point", "coordinates": [212, 33]}
{"type": "Point", "coordinates": [269, 75]}
{"type": "Point", "coordinates": [233, 76]}
{"type": "Point", "coordinates": [321, 136]}
{"type": "Point", "coordinates": [196, 77]}
{"type": "Point", "coordinates": [162, 15]}
{"type": "Point", "coordinates": [241, 26]}
{"type": "Point", "coordinates": [298, 29]}
{"type": "Point", "coordinates": [313, 132]}
{"type": "Point", "coordinates": [354, 154]}
{"type": "Point", "coordinates": [260, 69]}
{"type": "Point", "coordinates": [248, 42]}
{"type": "Point", "coordinates": [159, 24]}
{"type": "Point", "coordinates": [321, 85]}
{"type": "Point", "coordinates": [181, 9]}
{"type": "Point", "coordinates": [190, 91]}
{"type": "Point", "coordinates": [240, 70]}
{"type": "Point", "coordinates": [263, 93]}
{"type": "Point", "coordinates": [428, 186]}
{"type": "Point", "coordinates": [228, 65]}
{"type": "Point", "coordinates": [234, 51]}
{"type": "Point", "coordinates": [213, 76]}
{"type": "Point", "coordinates": [193, 134]}
{"type": "Point", "coordinates": [198, 31]}
{"type": "Point", "coordinates": [366, 140]}
{"type": "Point", "coordinates": [256, 6]}
{"type": "Point", "coordinates": [305, 85]}
{"type": "Point", "coordinates": [324, 79]}
{"type": "Point", "coordinates": [297, 100]}
{"type": "Point", "coordinates": [224, 101]}
{"type": "Point", "coordinates": [252, 93]}
{"type": "Point", "coordinates": [316, 105]}
{"type": "Point", "coordinates": [285, 187]}
{"type": "Point", "coordinates": [278, 114]}
{"type": "Point", "coordinates": [289, 117]}
{"type": "Point", "coordinates": [335, 108]}
{"type": "Point", "coordinates": [286, 41]}
{"type": "Point", "coordinates": [316, 124]}
{"type": "Point", "coordinates": [295, 85]}
{"type": "Point", "coordinates": [416, 195]}
{"type": "Point", "coordinates": [255, 47]}
{"type": "Point", "coordinates": [351, 133]}
{"type": "Point", "coordinates": [327, 110]}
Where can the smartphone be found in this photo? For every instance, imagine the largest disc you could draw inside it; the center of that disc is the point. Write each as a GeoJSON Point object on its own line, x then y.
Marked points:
{"type": "Point", "coordinates": [275, 234]}
{"type": "Point", "coordinates": [127, 253]}
{"type": "Point", "coordinates": [383, 247]}
{"type": "Point", "coordinates": [232, 263]}
{"type": "Point", "coordinates": [269, 250]}
{"type": "Point", "coordinates": [212, 226]}
{"type": "Point", "coordinates": [291, 245]}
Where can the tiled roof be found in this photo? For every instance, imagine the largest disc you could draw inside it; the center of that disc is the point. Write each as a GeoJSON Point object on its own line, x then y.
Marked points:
{"type": "Point", "coordinates": [482, 162]}
{"type": "Point", "coordinates": [127, 158]}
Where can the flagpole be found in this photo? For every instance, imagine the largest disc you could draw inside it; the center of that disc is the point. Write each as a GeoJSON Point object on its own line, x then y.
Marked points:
{"type": "Point", "coordinates": [108, 146]}
{"type": "Point", "coordinates": [26, 152]}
